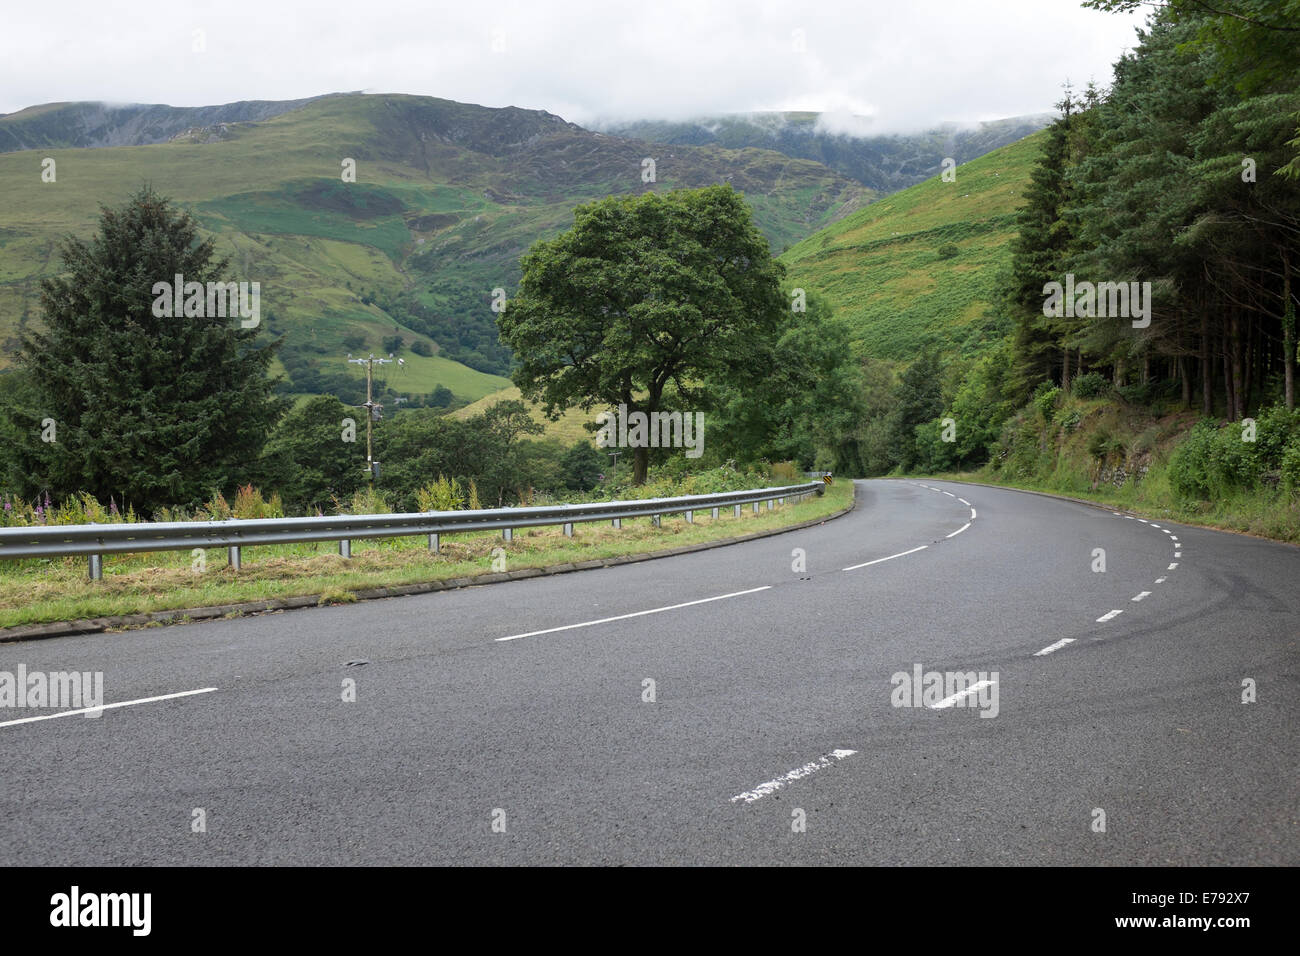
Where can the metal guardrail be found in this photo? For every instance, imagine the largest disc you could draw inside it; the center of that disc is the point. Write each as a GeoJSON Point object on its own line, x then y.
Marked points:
{"type": "Point", "coordinates": [96, 540]}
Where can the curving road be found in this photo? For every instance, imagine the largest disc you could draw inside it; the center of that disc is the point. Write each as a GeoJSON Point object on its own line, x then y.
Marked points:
{"type": "Point", "coordinates": [513, 723]}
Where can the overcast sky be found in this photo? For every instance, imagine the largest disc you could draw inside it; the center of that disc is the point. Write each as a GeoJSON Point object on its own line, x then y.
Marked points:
{"type": "Point", "coordinates": [905, 63]}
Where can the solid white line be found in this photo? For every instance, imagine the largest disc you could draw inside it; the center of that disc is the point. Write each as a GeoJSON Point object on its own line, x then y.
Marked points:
{"type": "Point", "coordinates": [964, 501]}
{"type": "Point", "coordinates": [1108, 615]}
{"type": "Point", "coordinates": [1054, 647]}
{"type": "Point", "coordinates": [1142, 595]}
{"type": "Point", "coordinates": [960, 530]}
{"type": "Point", "coordinates": [124, 703]}
{"type": "Point", "coordinates": [1172, 566]}
{"type": "Point", "coordinates": [973, 688]}
{"type": "Point", "coordinates": [1161, 580]}
{"type": "Point", "coordinates": [624, 617]}
{"type": "Point", "coordinates": [854, 567]}
{"type": "Point", "coordinates": [763, 789]}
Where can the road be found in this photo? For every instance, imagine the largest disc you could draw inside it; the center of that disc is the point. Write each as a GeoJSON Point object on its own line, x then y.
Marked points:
{"type": "Point", "coordinates": [772, 735]}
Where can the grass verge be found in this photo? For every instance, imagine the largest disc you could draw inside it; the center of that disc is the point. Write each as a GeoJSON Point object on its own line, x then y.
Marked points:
{"type": "Point", "coordinates": [1269, 514]}
{"type": "Point", "coordinates": [44, 591]}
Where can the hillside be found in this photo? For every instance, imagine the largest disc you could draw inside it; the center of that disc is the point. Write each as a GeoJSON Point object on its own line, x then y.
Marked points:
{"type": "Point", "coordinates": [447, 197]}
{"type": "Point", "coordinates": [885, 163]}
{"type": "Point", "coordinates": [882, 270]}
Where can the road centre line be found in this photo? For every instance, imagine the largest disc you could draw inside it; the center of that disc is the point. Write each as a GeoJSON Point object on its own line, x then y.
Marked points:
{"type": "Point", "coordinates": [763, 789]}
{"type": "Point", "coordinates": [972, 689]}
{"type": "Point", "coordinates": [1108, 615]}
{"type": "Point", "coordinates": [1054, 647]}
{"type": "Point", "coordinates": [854, 567]}
{"type": "Point", "coordinates": [624, 617]}
{"type": "Point", "coordinates": [1139, 597]}
{"type": "Point", "coordinates": [960, 530]}
{"type": "Point", "coordinates": [123, 703]}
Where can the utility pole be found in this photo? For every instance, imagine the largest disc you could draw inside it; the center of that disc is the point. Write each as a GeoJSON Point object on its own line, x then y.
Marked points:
{"type": "Point", "coordinates": [372, 409]}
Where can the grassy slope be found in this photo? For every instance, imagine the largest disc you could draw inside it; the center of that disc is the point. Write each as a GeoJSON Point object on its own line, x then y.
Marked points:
{"type": "Point", "coordinates": [880, 267]}
{"type": "Point", "coordinates": [447, 197]}
{"type": "Point", "coordinates": [567, 430]}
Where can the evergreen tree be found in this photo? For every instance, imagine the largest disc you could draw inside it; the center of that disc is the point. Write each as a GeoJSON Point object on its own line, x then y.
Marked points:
{"type": "Point", "coordinates": [152, 410]}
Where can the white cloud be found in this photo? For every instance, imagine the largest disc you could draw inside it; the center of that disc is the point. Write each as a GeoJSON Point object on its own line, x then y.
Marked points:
{"type": "Point", "coordinates": [904, 65]}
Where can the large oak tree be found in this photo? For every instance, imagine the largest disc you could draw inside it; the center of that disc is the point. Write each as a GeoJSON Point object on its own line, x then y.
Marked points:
{"type": "Point", "coordinates": [648, 301]}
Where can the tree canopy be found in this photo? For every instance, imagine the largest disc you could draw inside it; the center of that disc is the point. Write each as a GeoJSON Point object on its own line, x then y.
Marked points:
{"type": "Point", "coordinates": [151, 410]}
{"type": "Point", "coordinates": [648, 301]}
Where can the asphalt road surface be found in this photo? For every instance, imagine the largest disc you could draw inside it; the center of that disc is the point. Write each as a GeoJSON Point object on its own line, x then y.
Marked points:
{"type": "Point", "coordinates": [761, 714]}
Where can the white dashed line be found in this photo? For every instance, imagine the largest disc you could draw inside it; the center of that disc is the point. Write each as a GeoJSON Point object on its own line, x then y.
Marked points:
{"type": "Point", "coordinates": [1161, 580]}
{"type": "Point", "coordinates": [960, 530]}
{"type": "Point", "coordinates": [972, 514]}
{"type": "Point", "coordinates": [1054, 647]}
{"type": "Point", "coordinates": [964, 501]}
{"type": "Point", "coordinates": [1108, 615]}
{"type": "Point", "coordinates": [1139, 597]}
{"type": "Point", "coordinates": [1172, 566]}
{"type": "Point", "coordinates": [624, 617]}
{"type": "Point", "coordinates": [950, 494]}
{"type": "Point", "coordinates": [124, 703]}
{"type": "Point", "coordinates": [854, 567]}
{"type": "Point", "coordinates": [821, 763]}
{"type": "Point", "coordinates": [972, 689]}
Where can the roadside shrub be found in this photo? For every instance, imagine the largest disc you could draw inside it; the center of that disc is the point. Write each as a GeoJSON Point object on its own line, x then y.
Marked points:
{"type": "Point", "coordinates": [367, 501]}
{"type": "Point", "coordinates": [1045, 400]}
{"type": "Point", "coordinates": [249, 503]}
{"type": "Point", "coordinates": [948, 251]}
{"type": "Point", "coordinates": [787, 472]}
{"type": "Point", "coordinates": [440, 495]}
{"type": "Point", "coordinates": [1090, 385]}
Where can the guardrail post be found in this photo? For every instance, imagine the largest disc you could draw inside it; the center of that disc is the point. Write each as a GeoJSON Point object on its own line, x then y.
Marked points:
{"type": "Point", "coordinates": [233, 558]}
{"type": "Point", "coordinates": [345, 548]}
{"type": "Point", "coordinates": [618, 522]}
{"type": "Point", "coordinates": [690, 517]}
{"type": "Point", "coordinates": [655, 520]}
{"type": "Point", "coordinates": [736, 512]}
{"type": "Point", "coordinates": [715, 514]}
{"type": "Point", "coordinates": [568, 529]}
{"type": "Point", "coordinates": [770, 503]}
{"type": "Point", "coordinates": [755, 507]}
{"type": "Point", "coordinates": [96, 567]}
{"type": "Point", "coordinates": [435, 545]}
{"type": "Point", "coordinates": [507, 534]}
{"type": "Point", "coordinates": [781, 502]}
